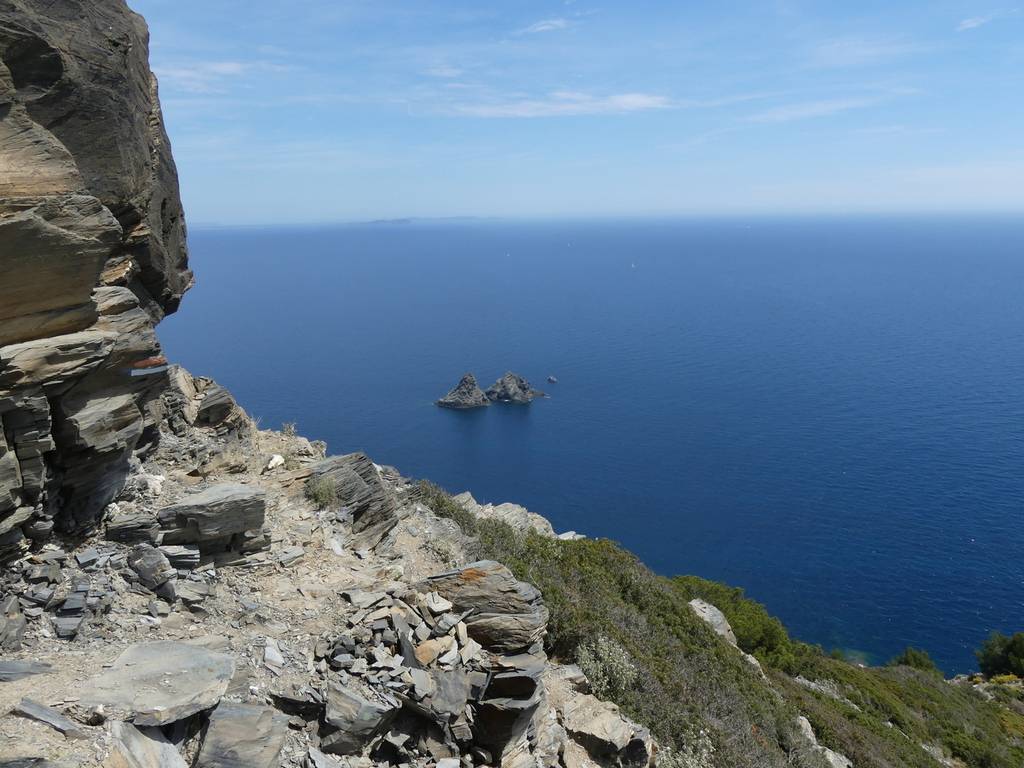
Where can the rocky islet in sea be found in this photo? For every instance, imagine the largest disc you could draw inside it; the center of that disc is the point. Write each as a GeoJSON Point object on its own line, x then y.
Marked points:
{"type": "Point", "coordinates": [510, 388]}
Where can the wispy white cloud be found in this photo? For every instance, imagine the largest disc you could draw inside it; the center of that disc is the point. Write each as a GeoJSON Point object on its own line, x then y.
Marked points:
{"type": "Point", "coordinates": [974, 22]}
{"type": "Point", "coordinates": [545, 25]}
{"type": "Point", "coordinates": [566, 104]}
{"type": "Point", "coordinates": [861, 52]}
{"type": "Point", "coordinates": [209, 77]}
{"type": "Point", "coordinates": [443, 71]}
{"type": "Point", "coordinates": [806, 110]}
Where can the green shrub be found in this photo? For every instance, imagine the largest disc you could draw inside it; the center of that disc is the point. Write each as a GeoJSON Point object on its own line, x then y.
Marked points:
{"type": "Point", "coordinates": [1002, 655]}
{"type": "Point", "coordinates": [757, 632]}
{"type": "Point", "coordinates": [322, 492]}
{"type": "Point", "coordinates": [916, 658]}
{"type": "Point", "coordinates": [608, 667]}
{"type": "Point", "coordinates": [441, 504]}
{"type": "Point", "coordinates": [702, 701]}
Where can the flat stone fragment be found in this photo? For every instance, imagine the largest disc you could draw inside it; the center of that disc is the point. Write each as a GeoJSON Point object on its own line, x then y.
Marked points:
{"type": "Point", "coordinates": [133, 747]}
{"type": "Point", "coordinates": [317, 759]}
{"type": "Point", "coordinates": [44, 714]}
{"type": "Point", "coordinates": [243, 736]}
{"type": "Point", "coordinates": [160, 683]}
{"type": "Point", "coordinates": [15, 670]}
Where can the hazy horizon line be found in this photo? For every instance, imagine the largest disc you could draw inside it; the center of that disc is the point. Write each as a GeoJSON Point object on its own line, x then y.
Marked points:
{"type": "Point", "coordinates": [625, 217]}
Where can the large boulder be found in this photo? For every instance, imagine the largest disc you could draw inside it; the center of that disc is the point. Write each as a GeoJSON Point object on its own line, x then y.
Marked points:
{"type": "Point", "coordinates": [714, 618]}
{"type": "Point", "coordinates": [353, 718]}
{"type": "Point", "coordinates": [507, 615]}
{"type": "Point", "coordinates": [359, 486]}
{"type": "Point", "coordinates": [92, 252]}
{"type": "Point", "coordinates": [160, 683]}
{"type": "Point", "coordinates": [243, 736]}
{"type": "Point", "coordinates": [133, 747]}
{"type": "Point", "coordinates": [217, 519]}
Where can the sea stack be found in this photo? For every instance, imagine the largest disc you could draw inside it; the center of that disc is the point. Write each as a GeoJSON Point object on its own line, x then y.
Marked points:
{"type": "Point", "coordinates": [467, 394]}
{"type": "Point", "coordinates": [512, 388]}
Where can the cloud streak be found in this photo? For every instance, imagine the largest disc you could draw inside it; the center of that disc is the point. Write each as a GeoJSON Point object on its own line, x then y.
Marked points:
{"type": "Point", "coordinates": [808, 110]}
{"type": "Point", "coordinates": [545, 25]}
{"type": "Point", "coordinates": [974, 22]}
{"type": "Point", "coordinates": [859, 52]}
{"type": "Point", "coordinates": [209, 77]}
{"type": "Point", "coordinates": [567, 104]}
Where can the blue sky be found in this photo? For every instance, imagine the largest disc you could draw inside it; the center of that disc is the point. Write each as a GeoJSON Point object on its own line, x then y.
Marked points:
{"type": "Point", "coordinates": [330, 110]}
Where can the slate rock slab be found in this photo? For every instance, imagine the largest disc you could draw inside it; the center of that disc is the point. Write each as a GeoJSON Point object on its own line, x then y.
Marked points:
{"type": "Point", "coordinates": [355, 720]}
{"type": "Point", "coordinates": [11, 670]}
{"type": "Point", "coordinates": [218, 513]}
{"type": "Point", "coordinates": [160, 683]}
{"type": "Point", "coordinates": [507, 615]}
{"type": "Point", "coordinates": [133, 747]}
{"type": "Point", "coordinates": [243, 736]}
{"type": "Point", "coordinates": [33, 710]}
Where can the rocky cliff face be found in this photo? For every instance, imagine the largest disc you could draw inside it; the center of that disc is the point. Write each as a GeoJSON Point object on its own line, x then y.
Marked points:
{"type": "Point", "coordinates": [92, 256]}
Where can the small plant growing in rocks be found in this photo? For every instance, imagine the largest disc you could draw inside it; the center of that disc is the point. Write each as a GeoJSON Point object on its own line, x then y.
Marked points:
{"type": "Point", "coordinates": [322, 492]}
{"type": "Point", "coordinates": [608, 666]}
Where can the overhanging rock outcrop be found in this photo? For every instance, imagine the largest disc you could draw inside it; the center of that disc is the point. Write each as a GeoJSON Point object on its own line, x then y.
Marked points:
{"type": "Point", "coordinates": [92, 254]}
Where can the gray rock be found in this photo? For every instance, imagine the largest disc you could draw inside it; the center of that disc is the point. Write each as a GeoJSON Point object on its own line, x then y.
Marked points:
{"type": "Point", "coordinates": [12, 625]}
{"type": "Point", "coordinates": [11, 670]}
{"type": "Point", "coordinates": [132, 527]}
{"type": "Point", "coordinates": [217, 404]}
{"type": "Point", "coordinates": [133, 747]}
{"type": "Point", "coordinates": [466, 394]}
{"type": "Point", "coordinates": [715, 619]}
{"type": "Point", "coordinates": [216, 519]}
{"type": "Point", "coordinates": [360, 487]}
{"type": "Point", "coordinates": [317, 759]}
{"type": "Point", "coordinates": [160, 683]}
{"type": "Point", "coordinates": [353, 720]}
{"type": "Point", "coordinates": [152, 567]}
{"type": "Point", "coordinates": [44, 714]}
{"type": "Point", "coordinates": [512, 388]}
{"type": "Point", "coordinates": [243, 736]}
{"type": "Point", "coordinates": [519, 518]}
{"type": "Point", "coordinates": [184, 557]}
{"type": "Point", "coordinates": [507, 615]}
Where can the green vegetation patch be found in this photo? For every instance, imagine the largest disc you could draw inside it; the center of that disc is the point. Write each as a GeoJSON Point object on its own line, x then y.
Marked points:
{"type": "Point", "coordinates": [644, 648]}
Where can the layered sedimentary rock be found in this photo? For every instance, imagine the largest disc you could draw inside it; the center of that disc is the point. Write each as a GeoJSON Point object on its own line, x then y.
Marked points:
{"type": "Point", "coordinates": [92, 256]}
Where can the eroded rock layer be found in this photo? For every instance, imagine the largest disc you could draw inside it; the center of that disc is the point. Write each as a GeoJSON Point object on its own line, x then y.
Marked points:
{"type": "Point", "coordinates": [92, 256]}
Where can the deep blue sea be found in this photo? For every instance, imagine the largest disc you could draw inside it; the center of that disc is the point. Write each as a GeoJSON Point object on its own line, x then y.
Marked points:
{"type": "Point", "coordinates": [826, 412]}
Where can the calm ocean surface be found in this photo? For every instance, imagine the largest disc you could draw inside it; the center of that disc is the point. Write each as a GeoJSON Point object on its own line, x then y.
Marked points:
{"type": "Point", "coordinates": [828, 413]}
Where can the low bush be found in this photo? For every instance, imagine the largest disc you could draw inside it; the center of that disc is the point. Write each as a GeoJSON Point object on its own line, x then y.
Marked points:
{"type": "Point", "coordinates": [1002, 655]}
{"type": "Point", "coordinates": [916, 658]}
{"type": "Point", "coordinates": [642, 647]}
{"type": "Point", "coordinates": [322, 492]}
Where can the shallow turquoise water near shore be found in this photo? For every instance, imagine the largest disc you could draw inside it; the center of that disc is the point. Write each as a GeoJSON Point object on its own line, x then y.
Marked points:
{"type": "Point", "coordinates": [827, 412]}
